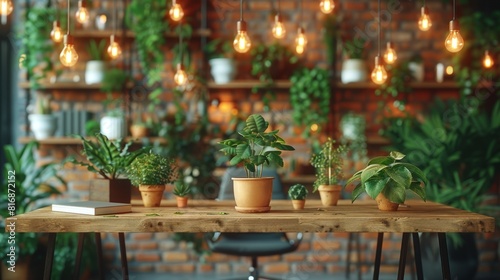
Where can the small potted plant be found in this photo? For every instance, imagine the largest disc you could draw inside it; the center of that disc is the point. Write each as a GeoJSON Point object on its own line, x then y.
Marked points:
{"type": "Point", "coordinates": [386, 179]}
{"type": "Point", "coordinates": [354, 67]}
{"type": "Point", "coordinates": [220, 57]}
{"type": "Point", "coordinates": [181, 192]}
{"type": "Point", "coordinates": [95, 67]}
{"type": "Point", "coordinates": [42, 121]}
{"type": "Point", "coordinates": [150, 172]}
{"type": "Point", "coordinates": [256, 149]}
{"type": "Point", "coordinates": [298, 193]}
{"type": "Point", "coordinates": [328, 165]}
{"type": "Point", "coordinates": [108, 159]}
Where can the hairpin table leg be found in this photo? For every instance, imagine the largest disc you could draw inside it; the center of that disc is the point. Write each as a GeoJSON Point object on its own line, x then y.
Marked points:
{"type": "Point", "coordinates": [49, 257]}
{"type": "Point", "coordinates": [123, 254]}
{"type": "Point", "coordinates": [443, 251]}
{"type": "Point", "coordinates": [417, 255]}
{"type": "Point", "coordinates": [378, 255]}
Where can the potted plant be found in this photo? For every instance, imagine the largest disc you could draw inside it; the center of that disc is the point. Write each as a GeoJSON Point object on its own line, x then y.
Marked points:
{"type": "Point", "coordinates": [150, 172]}
{"type": "Point", "coordinates": [386, 179]}
{"type": "Point", "coordinates": [256, 149]}
{"type": "Point", "coordinates": [108, 159]}
{"type": "Point", "coordinates": [42, 122]}
{"type": "Point", "coordinates": [220, 55]}
{"type": "Point", "coordinates": [416, 66]}
{"type": "Point", "coordinates": [354, 67]}
{"type": "Point", "coordinates": [298, 193]}
{"type": "Point", "coordinates": [112, 124]}
{"type": "Point", "coordinates": [328, 165]}
{"type": "Point", "coordinates": [95, 67]}
{"type": "Point", "coordinates": [181, 192]}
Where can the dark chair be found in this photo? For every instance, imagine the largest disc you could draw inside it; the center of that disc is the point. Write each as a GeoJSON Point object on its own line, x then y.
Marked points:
{"type": "Point", "coordinates": [252, 245]}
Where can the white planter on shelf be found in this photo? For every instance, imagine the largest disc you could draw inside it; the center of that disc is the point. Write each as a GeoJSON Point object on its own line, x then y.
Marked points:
{"type": "Point", "coordinates": [94, 71]}
{"type": "Point", "coordinates": [223, 70]}
{"type": "Point", "coordinates": [417, 70]}
{"type": "Point", "coordinates": [354, 70]}
{"type": "Point", "coordinates": [113, 127]}
{"type": "Point", "coordinates": [42, 125]}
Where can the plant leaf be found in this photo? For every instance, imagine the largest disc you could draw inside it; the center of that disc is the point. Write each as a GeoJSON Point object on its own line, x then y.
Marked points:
{"type": "Point", "coordinates": [396, 155]}
{"type": "Point", "coordinates": [400, 175]}
{"type": "Point", "coordinates": [375, 185]}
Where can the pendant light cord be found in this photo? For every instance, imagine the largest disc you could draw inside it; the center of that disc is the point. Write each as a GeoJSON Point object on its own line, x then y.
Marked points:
{"type": "Point", "coordinates": [279, 8]}
{"type": "Point", "coordinates": [454, 7]}
{"type": "Point", "coordinates": [115, 15]}
{"type": "Point", "coordinates": [180, 42]}
{"type": "Point", "coordinates": [301, 12]}
{"type": "Point", "coordinates": [379, 28]}
{"type": "Point", "coordinates": [241, 10]}
{"type": "Point", "coordinates": [67, 31]}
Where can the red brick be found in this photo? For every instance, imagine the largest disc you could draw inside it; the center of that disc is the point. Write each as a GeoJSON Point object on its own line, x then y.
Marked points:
{"type": "Point", "coordinates": [147, 257]}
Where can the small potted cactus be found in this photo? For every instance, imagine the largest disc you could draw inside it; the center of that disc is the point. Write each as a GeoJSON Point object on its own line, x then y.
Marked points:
{"type": "Point", "coordinates": [181, 192]}
{"type": "Point", "coordinates": [298, 193]}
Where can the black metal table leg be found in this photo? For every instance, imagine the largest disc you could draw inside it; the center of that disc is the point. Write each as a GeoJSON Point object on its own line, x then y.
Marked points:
{"type": "Point", "coordinates": [98, 244]}
{"type": "Point", "coordinates": [79, 249]}
{"type": "Point", "coordinates": [348, 257]}
{"type": "Point", "coordinates": [358, 251]}
{"type": "Point", "coordinates": [443, 251]}
{"type": "Point", "coordinates": [378, 255]}
{"type": "Point", "coordinates": [49, 257]}
{"type": "Point", "coordinates": [123, 254]}
{"type": "Point", "coordinates": [402, 256]}
{"type": "Point", "coordinates": [418, 256]}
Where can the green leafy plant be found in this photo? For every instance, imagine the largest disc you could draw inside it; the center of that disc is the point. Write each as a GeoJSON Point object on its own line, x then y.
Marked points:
{"type": "Point", "coordinates": [42, 105]}
{"type": "Point", "coordinates": [398, 85]}
{"type": "Point", "coordinates": [257, 147]}
{"type": "Point", "coordinates": [97, 50]}
{"type": "Point", "coordinates": [389, 176]}
{"type": "Point", "coordinates": [181, 189]}
{"type": "Point", "coordinates": [152, 169]}
{"type": "Point", "coordinates": [310, 97]}
{"type": "Point", "coordinates": [327, 163]}
{"type": "Point", "coordinates": [114, 80]}
{"type": "Point", "coordinates": [107, 158]}
{"type": "Point", "coordinates": [297, 192]}
{"type": "Point", "coordinates": [219, 48]}
{"type": "Point", "coordinates": [355, 48]}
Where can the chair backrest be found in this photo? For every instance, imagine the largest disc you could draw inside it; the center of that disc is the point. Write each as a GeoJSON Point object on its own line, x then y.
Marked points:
{"type": "Point", "coordinates": [226, 187]}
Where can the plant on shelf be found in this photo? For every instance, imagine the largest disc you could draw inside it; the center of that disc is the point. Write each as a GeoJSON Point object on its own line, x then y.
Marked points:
{"type": "Point", "coordinates": [150, 172]}
{"type": "Point", "coordinates": [298, 193]}
{"type": "Point", "coordinates": [219, 48]}
{"type": "Point", "coordinates": [386, 179]}
{"type": "Point", "coordinates": [112, 124]}
{"type": "Point", "coordinates": [255, 149]}
{"type": "Point", "coordinates": [310, 98]}
{"type": "Point", "coordinates": [220, 54]}
{"type": "Point", "coordinates": [181, 192]}
{"type": "Point", "coordinates": [42, 122]}
{"type": "Point", "coordinates": [328, 164]}
{"type": "Point", "coordinates": [398, 86]}
{"type": "Point", "coordinates": [354, 67]}
{"type": "Point", "coordinates": [95, 67]}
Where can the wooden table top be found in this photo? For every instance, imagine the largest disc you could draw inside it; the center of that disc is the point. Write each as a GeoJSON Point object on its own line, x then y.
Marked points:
{"type": "Point", "coordinates": [212, 216]}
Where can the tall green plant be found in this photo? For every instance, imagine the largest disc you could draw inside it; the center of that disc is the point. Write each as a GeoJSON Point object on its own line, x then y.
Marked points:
{"type": "Point", "coordinates": [328, 164]}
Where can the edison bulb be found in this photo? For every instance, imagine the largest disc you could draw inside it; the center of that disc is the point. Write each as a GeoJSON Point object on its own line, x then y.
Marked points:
{"type": "Point", "coordinates": [278, 28]}
{"type": "Point", "coordinates": [176, 13]}
{"type": "Point", "coordinates": [487, 60]}
{"type": "Point", "coordinates": [114, 49]}
{"type": "Point", "coordinates": [68, 56]}
{"type": "Point", "coordinates": [56, 34]}
{"type": "Point", "coordinates": [326, 6]}
{"type": "Point", "coordinates": [390, 55]}
{"type": "Point", "coordinates": [82, 14]}
{"type": "Point", "coordinates": [300, 41]}
{"type": "Point", "coordinates": [6, 9]}
{"type": "Point", "coordinates": [379, 75]}
{"type": "Point", "coordinates": [242, 42]}
{"type": "Point", "coordinates": [180, 76]}
{"type": "Point", "coordinates": [424, 22]}
{"type": "Point", "coordinates": [454, 41]}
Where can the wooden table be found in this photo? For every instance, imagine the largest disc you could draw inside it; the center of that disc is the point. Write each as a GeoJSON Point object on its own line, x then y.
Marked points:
{"type": "Point", "coordinates": [220, 216]}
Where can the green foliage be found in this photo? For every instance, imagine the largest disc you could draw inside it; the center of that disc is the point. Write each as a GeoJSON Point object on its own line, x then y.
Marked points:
{"type": "Point", "coordinates": [327, 163]}
{"type": "Point", "coordinates": [42, 105]}
{"type": "Point", "coordinates": [97, 50]}
{"type": "Point", "coordinates": [114, 80]}
{"type": "Point", "coordinates": [397, 84]}
{"type": "Point", "coordinates": [92, 127]}
{"type": "Point", "coordinates": [331, 31]}
{"type": "Point", "coordinates": [182, 49]}
{"type": "Point", "coordinates": [219, 48]}
{"type": "Point", "coordinates": [181, 189]}
{"type": "Point", "coordinates": [152, 169]}
{"type": "Point", "coordinates": [107, 158]}
{"type": "Point", "coordinates": [310, 97]}
{"type": "Point", "coordinates": [354, 49]}
{"type": "Point", "coordinates": [390, 176]}
{"type": "Point", "coordinates": [297, 192]}
{"type": "Point", "coordinates": [257, 147]}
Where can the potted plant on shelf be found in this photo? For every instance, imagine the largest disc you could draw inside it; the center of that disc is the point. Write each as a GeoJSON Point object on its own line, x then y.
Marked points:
{"type": "Point", "coordinates": [328, 165]}
{"type": "Point", "coordinates": [112, 124]}
{"type": "Point", "coordinates": [220, 55]}
{"type": "Point", "coordinates": [254, 150]}
{"type": "Point", "coordinates": [150, 172]}
{"type": "Point", "coordinates": [108, 159]}
{"type": "Point", "coordinates": [42, 122]}
{"type": "Point", "coordinates": [354, 67]}
{"type": "Point", "coordinates": [386, 179]}
{"type": "Point", "coordinates": [298, 193]}
{"type": "Point", "coordinates": [95, 67]}
{"type": "Point", "coordinates": [181, 192]}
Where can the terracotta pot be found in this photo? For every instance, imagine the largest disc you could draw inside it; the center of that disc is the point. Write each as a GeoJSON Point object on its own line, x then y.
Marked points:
{"type": "Point", "coordinates": [151, 194]}
{"type": "Point", "coordinates": [182, 201]}
{"type": "Point", "coordinates": [298, 204]}
{"type": "Point", "coordinates": [253, 195]}
{"type": "Point", "coordinates": [385, 204]}
{"type": "Point", "coordinates": [138, 131]}
{"type": "Point", "coordinates": [110, 190]}
{"type": "Point", "coordinates": [330, 194]}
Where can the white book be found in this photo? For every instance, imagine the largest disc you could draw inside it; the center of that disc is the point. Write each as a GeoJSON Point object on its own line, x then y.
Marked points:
{"type": "Point", "coordinates": [92, 207]}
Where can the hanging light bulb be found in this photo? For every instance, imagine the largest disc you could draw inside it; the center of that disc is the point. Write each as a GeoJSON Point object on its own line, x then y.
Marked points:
{"type": "Point", "coordinates": [300, 41]}
{"type": "Point", "coordinates": [82, 14]}
{"type": "Point", "coordinates": [56, 32]}
{"type": "Point", "coordinates": [68, 56]}
{"type": "Point", "coordinates": [487, 60]}
{"type": "Point", "coordinates": [6, 9]}
{"type": "Point", "coordinates": [379, 75]}
{"type": "Point", "coordinates": [454, 41]}
{"type": "Point", "coordinates": [424, 22]}
{"type": "Point", "coordinates": [390, 55]}
{"type": "Point", "coordinates": [114, 50]}
{"type": "Point", "coordinates": [326, 6]}
{"type": "Point", "coordinates": [176, 13]}
{"type": "Point", "coordinates": [278, 28]}
{"type": "Point", "coordinates": [180, 76]}
{"type": "Point", "coordinates": [242, 42]}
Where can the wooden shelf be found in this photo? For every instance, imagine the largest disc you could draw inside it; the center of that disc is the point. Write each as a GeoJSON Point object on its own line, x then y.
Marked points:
{"type": "Point", "coordinates": [129, 34]}
{"type": "Point", "coordinates": [66, 86]}
{"type": "Point", "coordinates": [76, 141]}
{"type": "Point", "coordinates": [247, 84]}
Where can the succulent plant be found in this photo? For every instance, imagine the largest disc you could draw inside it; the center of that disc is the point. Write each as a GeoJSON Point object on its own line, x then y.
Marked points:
{"type": "Point", "coordinates": [181, 189]}
{"type": "Point", "coordinates": [297, 192]}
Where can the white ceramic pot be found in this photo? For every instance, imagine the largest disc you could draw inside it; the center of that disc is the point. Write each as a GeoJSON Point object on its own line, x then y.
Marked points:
{"type": "Point", "coordinates": [94, 71]}
{"type": "Point", "coordinates": [354, 70]}
{"type": "Point", "coordinates": [223, 70]}
{"type": "Point", "coordinates": [43, 126]}
{"type": "Point", "coordinates": [113, 127]}
{"type": "Point", "coordinates": [417, 70]}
